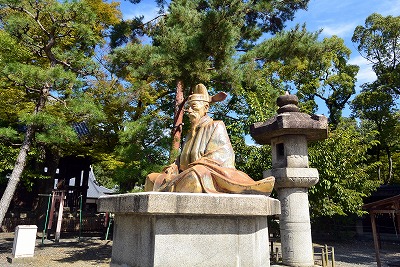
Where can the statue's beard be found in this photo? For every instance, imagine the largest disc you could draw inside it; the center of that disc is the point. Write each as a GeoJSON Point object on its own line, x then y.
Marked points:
{"type": "Point", "coordinates": [194, 118]}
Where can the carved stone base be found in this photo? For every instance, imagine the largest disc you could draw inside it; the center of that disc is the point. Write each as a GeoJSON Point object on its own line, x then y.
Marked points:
{"type": "Point", "coordinates": [295, 227]}
{"type": "Point", "coordinates": [293, 177]}
{"type": "Point", "coordinates": [179, 229]}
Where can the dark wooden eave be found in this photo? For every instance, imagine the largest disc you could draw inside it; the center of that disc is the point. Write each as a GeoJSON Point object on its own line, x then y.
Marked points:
{"type": "Point", "coordinates": [389, 205]}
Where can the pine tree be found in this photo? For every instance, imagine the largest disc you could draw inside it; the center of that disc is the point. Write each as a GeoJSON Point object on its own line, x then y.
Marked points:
{"type": "Point", "coordinates": [46, 55]}
{"type": "Point", "coordinates": [194, 42]}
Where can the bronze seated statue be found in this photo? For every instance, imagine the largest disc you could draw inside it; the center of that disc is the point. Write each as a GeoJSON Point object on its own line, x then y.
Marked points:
{"type": "Point", "coordinates": [207, 161]}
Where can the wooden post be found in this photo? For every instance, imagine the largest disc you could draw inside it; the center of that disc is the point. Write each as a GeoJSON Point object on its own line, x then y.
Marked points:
{"type": "Point", "coordinates": [333, 256]}
{"type": "Point", "coordinates": [178, 120]}
{"type": "Point", "coordinates": [326, 255]}
{"type": "Point", "coordinates": [397, 208]}
{"type": "Point", "coordinates": [47, 215]}
{"type": "Point", "coordinates": [53, 203]}
{"type": "Point", "coordinates": [376, 241]}
{"type": "Point", "coordinates": [272, 248]}
{"type": "Point", "coordinates": [59, 219]}
{"type": "Point", "coordinates": [323, 257]}
{"type": "Point", "coordinates": [398, 221]}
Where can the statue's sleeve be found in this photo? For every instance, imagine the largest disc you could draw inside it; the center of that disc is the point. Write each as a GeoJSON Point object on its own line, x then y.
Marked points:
{"type": "Point", "coordinates": [219, 146]}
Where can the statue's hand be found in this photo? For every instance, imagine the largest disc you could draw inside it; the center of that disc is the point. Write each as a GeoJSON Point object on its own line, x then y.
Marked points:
{"type": "Point", "coordinates": [171, 169]}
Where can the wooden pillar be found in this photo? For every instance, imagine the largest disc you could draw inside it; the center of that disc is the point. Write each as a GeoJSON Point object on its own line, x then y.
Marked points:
{"type": "Point", "coordinates": [398, 221]}
{"type": "Point", "coordinates": [397, 209]}
{"type": "Point", "coordinates": [59, 219]}
{"type": "Point", "coordinates": [376, 239]}
{"type": "Point", "coordinates": [51, 215]}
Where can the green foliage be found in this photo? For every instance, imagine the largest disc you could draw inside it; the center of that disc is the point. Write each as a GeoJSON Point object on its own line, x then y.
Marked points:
{"type": "Point", "coordinates": [196, 41]}
{"type": "Point", "coordinates": [143, 148]}
{"type": "Point", "coordinates": [377, 110]}
{"type": "Point", "coordinates": [54, 130]}
{"type": "Point", "coordinates": [376, 105]}
{"type": "Point", "coordinates": [315, 68]}
{"type": "Point", "coordinates": [50, 80]}
{"type": "Point", "coordinates": [193, 43]}
{"type": "Point", "coordinates": [248, 19]}
{"type": "Point", "coordinates": [7, 160]}
{"type": "Point", "coordinates": [344, 178]}
{"type": "Point", "coordinates": [252, 159]}
{"type": "Point", "coordinates": [8, 133]}
{"type": "Point", "coordinates": [379, 42]}
{"type": "Point", "coordinates": [105, 170]}
{"type": "Point", "coordinates": [82, 108]}
{"type": "Point", "coordinates": [46, 63]}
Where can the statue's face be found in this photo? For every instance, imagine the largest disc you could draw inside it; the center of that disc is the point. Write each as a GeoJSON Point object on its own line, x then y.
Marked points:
{"type": "Point", "coordinates": [196, 110]}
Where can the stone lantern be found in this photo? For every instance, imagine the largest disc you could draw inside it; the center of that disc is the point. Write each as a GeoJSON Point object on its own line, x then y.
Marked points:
{"type": "Point", "coordinates": [288, 134]}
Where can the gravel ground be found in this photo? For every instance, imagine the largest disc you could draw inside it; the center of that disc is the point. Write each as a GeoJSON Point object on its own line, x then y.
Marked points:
{"type": "Point", "coordinates": [94, 251]}
{"type": "Point", "coordinates": [90, 251]}
{"type": "Point", "coordinates": [362, 253]}
{"type": "Point", "coordinates": [358, 253]}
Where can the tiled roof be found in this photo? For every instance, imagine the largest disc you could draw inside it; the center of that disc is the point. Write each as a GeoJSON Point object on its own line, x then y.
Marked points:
{"type": "Point", "coordinates": [95, 190]}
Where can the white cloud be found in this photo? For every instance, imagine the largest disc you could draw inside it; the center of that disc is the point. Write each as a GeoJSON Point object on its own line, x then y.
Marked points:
{"type": "Point", "coordinates": [147, 9]}
{"type": "Point", "coordinates": [365, 74]}
{"type": "Point", "coordinates": [389, 7]}
{"type": "Point", "coordinates": [341, 30]}
{"type": "Point", "coordinates": [341, 17]}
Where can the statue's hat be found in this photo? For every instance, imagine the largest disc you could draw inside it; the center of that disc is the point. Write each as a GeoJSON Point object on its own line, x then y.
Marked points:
{"type": "Point", "coordinates": [200, 93]}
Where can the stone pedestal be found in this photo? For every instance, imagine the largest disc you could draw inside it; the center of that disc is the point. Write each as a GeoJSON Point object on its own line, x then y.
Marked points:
{"type": "Point", "coordinates": [291, 186]}
{"type": "Point", "coordinates": [186, 229]}
{"type": "Point", "coordinates": [297, 249]}
{"type": "Point", "coordinates": [24, 241]}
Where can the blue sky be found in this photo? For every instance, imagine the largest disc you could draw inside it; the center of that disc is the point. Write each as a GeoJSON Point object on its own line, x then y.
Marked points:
{"type": "Point", "coordinates": [335, 17]}
{"type": "Point", "coordinates": [341, 17]}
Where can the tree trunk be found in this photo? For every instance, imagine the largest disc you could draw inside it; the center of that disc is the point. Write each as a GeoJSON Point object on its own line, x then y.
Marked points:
{"type": "Point", "coordinates": [378, 158]}
{"type": "Point", "coordinates": [390, 163]}
{"type": "Point", "coordinates": [21, 159]}
{"type": "Point", "coordinates": [16, 173]}
{"type": "Point", "coordinates": [178, 120]}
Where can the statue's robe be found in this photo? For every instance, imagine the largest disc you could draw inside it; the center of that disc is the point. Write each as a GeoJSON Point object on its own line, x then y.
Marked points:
{"type": "Point", "coordinates": [208, 157]}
